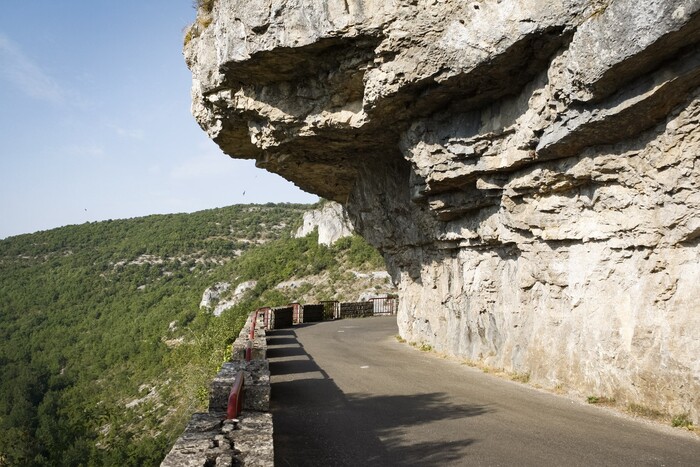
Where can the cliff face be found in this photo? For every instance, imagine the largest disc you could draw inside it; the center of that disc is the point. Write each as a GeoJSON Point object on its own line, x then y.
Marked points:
{"type": "Point", "coordinates": [330, 220]}
{"type": "Point", "coordinates": [530, 169]}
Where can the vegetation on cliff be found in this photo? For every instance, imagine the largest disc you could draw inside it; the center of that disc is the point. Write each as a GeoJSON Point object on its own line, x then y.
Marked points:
{"type": "Point", "coordinates": [104, 351]}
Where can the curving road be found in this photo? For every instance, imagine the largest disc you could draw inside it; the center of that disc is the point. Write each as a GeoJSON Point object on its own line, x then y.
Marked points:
{"type": "Point", "coordinates": [347, 393]}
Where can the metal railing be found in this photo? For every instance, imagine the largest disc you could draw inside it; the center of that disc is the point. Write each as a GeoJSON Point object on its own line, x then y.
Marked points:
{"type": "Point", "coordinates": [235, 398]}
{"type": "Point", "coordinates": [385, 305]}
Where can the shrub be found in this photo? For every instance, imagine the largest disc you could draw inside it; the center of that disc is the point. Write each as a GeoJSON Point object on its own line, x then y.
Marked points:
{"type": "Point", "coordinates": [682, 421]}
{"type": "Point", "coordinates": [206, 5]}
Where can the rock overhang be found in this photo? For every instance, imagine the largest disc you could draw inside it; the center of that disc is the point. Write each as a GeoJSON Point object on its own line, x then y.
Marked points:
{"type": "Point", "coordinates": [333, 92]}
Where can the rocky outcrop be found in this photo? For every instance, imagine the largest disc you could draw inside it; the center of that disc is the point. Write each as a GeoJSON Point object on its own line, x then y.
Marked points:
{"type": "Point", "coordinates": [331, 221]}
{"type": "Point", "coordinates": [213, 298]}
{"type": "Point", "coordinates": [212, 295]}
{"type": "Point", "coordinates": [529, 169]}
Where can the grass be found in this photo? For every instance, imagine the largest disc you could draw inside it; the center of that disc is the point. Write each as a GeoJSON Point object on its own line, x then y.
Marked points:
{"type": "Point", "coordinates": [644, 411]}
{"type": "Point", "coordinates": [520, 377]}
{"type": "Point", "coordinates": [638, 410]}
{"type": "Point", "coordinates": [676, 421]}
{"type": "Point", "coordinates": [204, 19]}
{"type": "Point", "coordinates": [500, 372]}
{"type": "Point", "coordinates": [400, 339]}
{"type": "Point", "coordinates": [600, 400]}
{"type": "Point", "coordinates": [681, 421]}
{"type": "Point", "coordinates": [206, 5]}
{"type": "Point", "coordinates": [423, 347]}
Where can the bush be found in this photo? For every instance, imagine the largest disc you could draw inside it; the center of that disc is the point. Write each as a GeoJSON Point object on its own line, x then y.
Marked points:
{"type": "Point", "coordinates": [205, 5]}
{"type": "Point", "coordinates": [682, 421]}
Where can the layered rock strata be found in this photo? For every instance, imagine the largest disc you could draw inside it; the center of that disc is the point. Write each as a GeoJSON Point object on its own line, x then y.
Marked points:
{"type": "Point", "coordinates": [529, 169]}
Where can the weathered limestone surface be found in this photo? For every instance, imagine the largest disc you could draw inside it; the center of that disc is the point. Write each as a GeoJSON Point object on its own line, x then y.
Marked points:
{"type": "Point", "coordinates": [530, 169]}
{"type": "Point", "coordinates": [332, 223]}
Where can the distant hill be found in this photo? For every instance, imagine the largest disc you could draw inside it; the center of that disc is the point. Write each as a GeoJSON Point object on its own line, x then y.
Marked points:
{"type": "Point", "coordinates": [104, 349]}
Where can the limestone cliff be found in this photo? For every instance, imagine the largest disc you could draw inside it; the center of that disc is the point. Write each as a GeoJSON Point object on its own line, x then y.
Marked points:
{"type": "Point", "coordinates": [330, 220]}
{"type": "Point", "coordinates": [529, 169]}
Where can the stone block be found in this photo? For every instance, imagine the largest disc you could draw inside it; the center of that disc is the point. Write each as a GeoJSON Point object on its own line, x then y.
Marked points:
{"type": "Point", "coordinates": [209, 439]}
{"type": "Point", "coordinates": [203, 443]}
{"type": "Point", "coordinates": [253, 438]}
{"type": "Point", "coordinates": [256, 387]}
{"type": "Point", "coordinates": [258, 347]}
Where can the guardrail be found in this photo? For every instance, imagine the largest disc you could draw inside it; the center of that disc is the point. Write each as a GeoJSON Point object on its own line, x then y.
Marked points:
{"type": "Point", "coordinates": [235, 398]}
{"type": "Point", "coordinates": [333, 309]}
{"type": "Point", "coordinates": [385, 305]}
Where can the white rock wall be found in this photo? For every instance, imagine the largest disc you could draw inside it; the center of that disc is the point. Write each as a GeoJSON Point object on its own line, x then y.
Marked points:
{"type": "Point", "coordinates": [331, 221]}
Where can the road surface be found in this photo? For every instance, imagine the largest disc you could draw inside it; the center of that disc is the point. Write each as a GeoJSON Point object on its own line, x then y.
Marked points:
{"type": "Point", "coordinates": [347, 392]}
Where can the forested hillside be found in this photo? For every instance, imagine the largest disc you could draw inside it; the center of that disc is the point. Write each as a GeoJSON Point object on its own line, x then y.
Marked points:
{"type": "Point", "coordinates": [104, 351]}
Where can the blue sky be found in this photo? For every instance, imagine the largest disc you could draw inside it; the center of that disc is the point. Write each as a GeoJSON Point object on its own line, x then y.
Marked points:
{"type": "Point", "coordinates": [95, 119]}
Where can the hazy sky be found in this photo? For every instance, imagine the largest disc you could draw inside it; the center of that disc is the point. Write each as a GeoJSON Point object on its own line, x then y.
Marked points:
{"type": "Point", "coordinates": [95, 118]}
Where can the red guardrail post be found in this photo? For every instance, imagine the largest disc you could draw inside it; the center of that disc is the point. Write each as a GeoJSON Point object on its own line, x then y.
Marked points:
{"type": "Point", "coordinates": [235, 398]}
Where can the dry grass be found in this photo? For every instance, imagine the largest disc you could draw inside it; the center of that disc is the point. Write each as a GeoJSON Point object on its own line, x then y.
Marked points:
{"type": "Point", "coordinates": [206, 5]}
{"type": "Point", "coordinates": [601, 400]}
{"type": "Point", "coordinates": [500, 372]}
{"type": "Point", "coordinates": [422, 346]}
{"type": "Point", "coordinates": [520, 377]}
{"type": "Point", "coordinates": [204, 19]}
{"type": "Point", "coordinates": [644, 411]}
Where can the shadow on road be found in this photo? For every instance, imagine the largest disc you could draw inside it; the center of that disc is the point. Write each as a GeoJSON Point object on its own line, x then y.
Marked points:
{"type": "Point", "coordinates": [285, 352]}
{"type": "Point", "coordinates": [315, 423]}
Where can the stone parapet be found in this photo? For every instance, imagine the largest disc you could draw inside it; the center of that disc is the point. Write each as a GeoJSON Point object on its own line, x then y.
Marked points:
{"type": "Point", "coordinates": [204, 442]}
{"type": "Point", "coordinates": [258, 348]}
{"type": "Point", "coordinates": [254, 439]}
{"type": "Point", "coordinates": [356, 309]}
{"type": "Point", "coordinates": [256, 374]}
{"type": "Point", "coordinates": [209, 439]}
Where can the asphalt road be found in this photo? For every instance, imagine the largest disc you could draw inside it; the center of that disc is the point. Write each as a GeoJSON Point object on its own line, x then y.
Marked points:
{"type": "Point", "coordinates": [348, 393]}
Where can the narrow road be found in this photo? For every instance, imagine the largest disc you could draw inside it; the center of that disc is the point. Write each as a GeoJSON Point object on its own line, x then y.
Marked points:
{"type": "Point", "coordinates": [347, 393]}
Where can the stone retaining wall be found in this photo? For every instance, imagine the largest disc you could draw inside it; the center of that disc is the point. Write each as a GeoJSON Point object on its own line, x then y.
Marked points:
{"type": "Point", "coordinates": [356, 309]}
{"type": "Point", "coordinates": [210, 439]}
